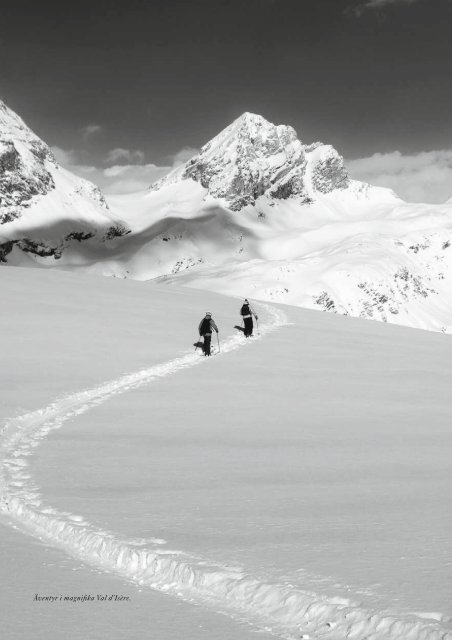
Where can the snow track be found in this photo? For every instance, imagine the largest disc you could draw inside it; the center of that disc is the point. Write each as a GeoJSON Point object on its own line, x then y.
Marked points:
{"type": "Point", "coordinates": [288, 612]}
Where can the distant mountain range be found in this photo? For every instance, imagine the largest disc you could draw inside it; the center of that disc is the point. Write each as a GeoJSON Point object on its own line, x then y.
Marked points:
{"type": "Point", "coordinates": [255, 213]}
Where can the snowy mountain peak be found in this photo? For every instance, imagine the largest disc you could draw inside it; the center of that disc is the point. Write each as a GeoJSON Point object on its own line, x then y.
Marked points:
{"type": "Point", "coordinates": [249, 117]}
{"type": "Point", "coordinates": [23, 170]}
{"type": "Point", "coordinates": [250, 120]}
{"type": "Point", "coordinates": [253, 136]}
{"type": "Point", "coordinates": [253, 158]}
{"type": "Point", "coordinates": [256, 130]}
{"type": "Point", "coordinates": [44, 208]}
{"type": "Point", "coordinates": [13, 127]}
{"type": "Point", "coordinates": [28, 169]}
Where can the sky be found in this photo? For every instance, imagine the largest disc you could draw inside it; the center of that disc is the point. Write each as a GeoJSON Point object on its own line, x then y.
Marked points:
{"type": "Point", "coordinates": [123, 91]}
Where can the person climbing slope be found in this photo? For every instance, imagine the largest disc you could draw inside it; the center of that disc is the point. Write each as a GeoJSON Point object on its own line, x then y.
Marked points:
{"type": "Point", "coordinates": [205, 328]}
{"type": "Point", "coordinates": [247, 313]}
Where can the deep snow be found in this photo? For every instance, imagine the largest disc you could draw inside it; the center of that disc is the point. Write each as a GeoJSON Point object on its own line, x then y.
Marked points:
{"type": "Point", "coordinates": [298, 482]}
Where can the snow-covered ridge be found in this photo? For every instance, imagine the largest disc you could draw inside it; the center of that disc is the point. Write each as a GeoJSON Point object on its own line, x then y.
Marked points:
{"type": "Point", "coordinates": [292, 612]}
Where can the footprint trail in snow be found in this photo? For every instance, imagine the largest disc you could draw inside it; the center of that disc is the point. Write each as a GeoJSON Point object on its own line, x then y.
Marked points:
{"type": "Point", "coordinates": [286, 611]}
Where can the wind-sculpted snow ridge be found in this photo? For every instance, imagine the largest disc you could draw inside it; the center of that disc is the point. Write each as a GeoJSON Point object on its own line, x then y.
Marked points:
{"type": "Point", "coordinates": [286, 611]}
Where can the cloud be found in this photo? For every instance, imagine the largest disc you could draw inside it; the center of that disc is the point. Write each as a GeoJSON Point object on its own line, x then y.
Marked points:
{"type": "Point", "coordinates": [129, 156]}
{"type": "Point", "coordinates": [130, 178]}
{"type": "Point", "coordinates": [124, 178]}
{"type": "Point", "coordinates": [183, 155]}
{"type": "Point", "coordinates": [421, 177]}
{"type": "Point", "coordinates": [378, 4]}
{"type": "Point", "coordinates": [64, 156]}
{"type": "Point", "coordinates": [90, 130]}
{"type": "Point", "coordinates": [128, 172]}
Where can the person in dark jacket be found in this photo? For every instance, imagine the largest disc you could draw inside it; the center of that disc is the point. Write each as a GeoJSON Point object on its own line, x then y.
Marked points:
{"type": "Point", "coordinates": [205, 328]}
{"type": "Point", "coordinates": [247, 313]}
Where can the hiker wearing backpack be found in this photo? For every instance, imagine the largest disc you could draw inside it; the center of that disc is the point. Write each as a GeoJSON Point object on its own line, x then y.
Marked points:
{"type": "Point", "coordinates": [205, 328]}
{"type": "Point", "coordinates": [247, 313]}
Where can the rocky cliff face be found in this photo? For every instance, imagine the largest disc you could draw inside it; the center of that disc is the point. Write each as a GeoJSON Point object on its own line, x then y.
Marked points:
{"type": "Point", "coordinates": [253, 158]}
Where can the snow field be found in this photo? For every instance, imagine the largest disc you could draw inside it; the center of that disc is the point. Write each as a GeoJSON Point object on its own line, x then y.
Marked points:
{"type": "Point", "coordinates": [268, 603]}
{"type": "Point", "coordinates": [65, 332]}
{"type": "Point", "coordinates": [290, 612]}
{"type": "Point", "coordinates": [20, 498]}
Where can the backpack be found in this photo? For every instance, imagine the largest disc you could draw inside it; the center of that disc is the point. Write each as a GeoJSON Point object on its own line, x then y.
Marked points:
{"type": "Point", "coordinates": [205, 326]}
{"type": "Point", "coordinates": [245, 310]}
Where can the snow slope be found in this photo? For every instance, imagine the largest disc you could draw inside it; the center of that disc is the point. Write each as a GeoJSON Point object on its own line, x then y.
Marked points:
{"type": "Point", "coordinates": [389, 262]}
{"type": "Point", "coordinates": [316, 505]}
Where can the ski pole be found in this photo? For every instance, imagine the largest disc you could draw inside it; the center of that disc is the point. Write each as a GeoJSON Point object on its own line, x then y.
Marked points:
{"type": "Point", "coordinates": [218, 340]}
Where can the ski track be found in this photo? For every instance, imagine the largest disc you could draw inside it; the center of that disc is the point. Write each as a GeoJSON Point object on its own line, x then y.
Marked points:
{"type": "Point", "coordinates": [278, 608]}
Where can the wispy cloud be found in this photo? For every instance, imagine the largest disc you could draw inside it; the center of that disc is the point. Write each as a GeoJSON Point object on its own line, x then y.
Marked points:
{"type": "Point", "coordinates": [119, 178]}
{"type": "Point", "coordinates": [378, 4]}
{"type": "Point", "coordinates": [375, 4]}
{"type": "Point", "coordinates": [183, 155]}
{"type": "Point", "coordinates": [128, 171]}
{"type": "Point", "coordinates": [421, 177]}
{"type": "Point", "coordinates": [129, 178]}
{"type": "Point", "coordinates": [64, 156]}
{"type": "Point", "coordinates": [126, 156]}
{"type": "Point", "coordinates": [90, 130]}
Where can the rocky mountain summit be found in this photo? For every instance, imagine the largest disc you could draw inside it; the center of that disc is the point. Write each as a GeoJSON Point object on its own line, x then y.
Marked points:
{"type": "Point", "coordinates": [44, 209]}
{"type": "Point", "coordinates": [253, 158]}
